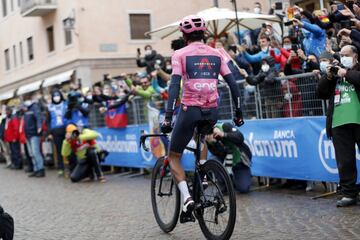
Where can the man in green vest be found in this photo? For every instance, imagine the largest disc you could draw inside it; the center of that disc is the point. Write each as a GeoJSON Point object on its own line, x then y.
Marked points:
{"type": "Point", "coordinates": [341, 85]}
{"type": "Point", "coordinates": [228, 146]}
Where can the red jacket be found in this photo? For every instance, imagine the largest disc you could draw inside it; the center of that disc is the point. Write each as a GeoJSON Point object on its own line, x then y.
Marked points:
{"type": "Point", "coordinates": [283, 57]}
{"type": "Point", "coordinates": [296, 101]}
{"type": "Point", "coordinates": [11, 132]}
{"type": "Point", "coordinates": [22, 137]}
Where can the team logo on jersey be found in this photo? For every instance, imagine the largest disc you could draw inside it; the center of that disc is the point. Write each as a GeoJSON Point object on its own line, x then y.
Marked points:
{"type": "Point", "coordinates": [203, 67]}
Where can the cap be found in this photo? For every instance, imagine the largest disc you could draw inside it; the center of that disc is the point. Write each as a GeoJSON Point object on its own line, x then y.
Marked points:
{"type": "Point", "coordinates": [71, 128]}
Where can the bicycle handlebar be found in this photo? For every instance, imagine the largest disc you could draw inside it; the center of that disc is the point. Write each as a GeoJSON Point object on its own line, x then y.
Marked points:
{"type": "Point", "coordinates": [145, 136]}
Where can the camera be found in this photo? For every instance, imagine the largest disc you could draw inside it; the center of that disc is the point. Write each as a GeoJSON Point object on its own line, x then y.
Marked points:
{"type": "Point", "coordinates": [346, 24]}
{"type": "Point", "coordinates": [295, 47]}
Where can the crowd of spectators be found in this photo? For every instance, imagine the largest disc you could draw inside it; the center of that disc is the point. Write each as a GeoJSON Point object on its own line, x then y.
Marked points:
{"type": "Point", "coordinates": [306, 42]}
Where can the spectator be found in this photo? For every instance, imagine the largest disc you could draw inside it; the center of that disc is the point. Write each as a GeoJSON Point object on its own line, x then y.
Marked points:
{"type": "Point", "coordinates": [11, 136]}
{"type": "Point", "coordinates": [269, 88]}
{"type": "Point", "coordinates": [257, 8]}
{"type": "Point", "coordinates": [293, 103]}
{"type": "Point", "coordinates": [6, 225]}
{"type": "Point", "coordinates": [227, 144]}
{"type": "Point", "coordinates": [33, 129]}
{"type": "Point", "coordinates": [315, 37]}
{"type": "Point", "coordinates": [151, 59]}
{"type": "Point", "coordinates": [83, 145]}
{"type": "Point", "coordinates": [284, 55]}
{"type": "Point", "coordinates": [27, 161]}
{"type": "Point", "coordinates": [4, 145]}
{"type": "Point", "coordinates": [255, 58]}
{"type": "Point", "coordinates": [145, 90]}
{"type": "Point", "coordinates": [56, 124]}
{"type": "Point", "coordinates": [77, 109]}
{"type": "Point", "coordinates": [342, 87]}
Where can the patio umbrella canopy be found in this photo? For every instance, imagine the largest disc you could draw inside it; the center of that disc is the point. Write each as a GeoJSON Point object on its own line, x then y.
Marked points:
{"type": "Point", "coordinates": [218, 21]}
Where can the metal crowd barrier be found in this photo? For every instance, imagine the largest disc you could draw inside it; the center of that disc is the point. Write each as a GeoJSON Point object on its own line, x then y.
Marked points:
{"type": "Point", "coordinates": [289, 96]}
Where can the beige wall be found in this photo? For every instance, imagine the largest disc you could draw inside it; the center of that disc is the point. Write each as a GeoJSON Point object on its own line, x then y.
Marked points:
{"type": "Point", "coordinates": [97, 22]}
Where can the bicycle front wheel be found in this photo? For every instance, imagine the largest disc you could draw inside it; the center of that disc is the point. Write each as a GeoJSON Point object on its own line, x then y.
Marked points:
{"type": "Point", "coordinates": [217, 213]}
{"type": "Point", "coordinates": [165, 197]}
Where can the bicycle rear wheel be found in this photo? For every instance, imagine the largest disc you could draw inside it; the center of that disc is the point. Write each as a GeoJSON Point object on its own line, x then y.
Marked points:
{"type": "Point", "coordinates": [217, 213]}
{"type": "Point", "coordinates": [165, 197]}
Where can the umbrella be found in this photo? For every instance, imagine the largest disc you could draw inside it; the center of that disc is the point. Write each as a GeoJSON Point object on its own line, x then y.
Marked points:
{"type": "Point", "coordinates": [219, 21]}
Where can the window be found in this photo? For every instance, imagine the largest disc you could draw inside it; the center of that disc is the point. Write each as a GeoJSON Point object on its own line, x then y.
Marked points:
{"type": "Point", "coordinates": [50, 38]}
{"type": "Point", "coordinates": [14, 54]}
{"type": "Point", "coordinates": [68, 35]}
{"type": "Point", "coordinates": [21, 53]}
{"type": "Point", "coordinates": [139, 25]}
{"type": "Point", "coordinates": [7, 59]}
{"type": "Point", "coordinates": [30, 48]}
{"type": "Point", "coordinates": [4, 7]}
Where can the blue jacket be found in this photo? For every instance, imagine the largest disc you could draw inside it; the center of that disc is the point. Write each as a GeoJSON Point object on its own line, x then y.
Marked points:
{"type": "Point", "coordinates": [32, 120]}
{"type": "Point", "coordinates": [258, 57]}
{"type": "Point", "coordinates": [78, 117]}
{"type": "Point", "coordinates": [57, 114]}
{"type": "Point", "coordinates": [315, 39]}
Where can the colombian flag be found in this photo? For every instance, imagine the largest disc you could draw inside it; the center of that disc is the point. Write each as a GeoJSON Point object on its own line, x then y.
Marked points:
{"type": "Point", "coordinates": [117, 117]}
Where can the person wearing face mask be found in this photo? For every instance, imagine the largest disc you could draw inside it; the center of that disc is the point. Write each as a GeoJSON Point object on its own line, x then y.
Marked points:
{"type": "Point", "coordinates": [56, 124]}
{"type": "Point", "coordinates": [264, 43]}
{"type": "Point", "coordinates": [268, 87]}
{"type": "Point", "coordinates": [77, 109]}
{"type": "Point", "coordinates": [257, 8]}
{"type": "Point", "coordinates": [341, 86]}
{"type": "Point", "coordinates": [285, 53]}
{"type": "Point", "coordinates": [33, 128]}
{"type": "Point", "coordinates": [149, 61]}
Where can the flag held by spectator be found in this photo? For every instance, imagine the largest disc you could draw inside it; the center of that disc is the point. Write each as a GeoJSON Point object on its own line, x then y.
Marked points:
{"type": "Point", "coordinates": [117, 117]}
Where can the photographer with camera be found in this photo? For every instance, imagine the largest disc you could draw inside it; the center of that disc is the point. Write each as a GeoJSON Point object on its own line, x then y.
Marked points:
{"type": "Point", "coordinates": [228, 146]}
{"type": "Point", "coordinates": [82, 143]}
{"type": "Point", "coordinates": [6, 225]}
{"type": "Point", "coordinates": [341, 86]}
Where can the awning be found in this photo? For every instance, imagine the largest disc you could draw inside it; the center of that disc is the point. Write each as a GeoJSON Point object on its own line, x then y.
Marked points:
{"type": "Point", "coordinates": [58, 79]}
{"type": "Point", "coordinates": [7, 95]}
{"type": "Point", "coordinates": [31, 87]}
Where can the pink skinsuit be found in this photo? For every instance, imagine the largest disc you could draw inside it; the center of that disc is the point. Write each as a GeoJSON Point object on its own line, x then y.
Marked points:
{"type": "Point", "coordinates": [199, 65]}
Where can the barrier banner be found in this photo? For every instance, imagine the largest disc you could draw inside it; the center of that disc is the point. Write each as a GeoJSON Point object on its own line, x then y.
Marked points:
{"type": "Point", "coordinates": [294, 148]}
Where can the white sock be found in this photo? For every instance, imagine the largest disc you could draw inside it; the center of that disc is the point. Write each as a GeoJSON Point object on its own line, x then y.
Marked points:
{"type": "Point", "coordinates": [184, 190]}
{"type": "Point", "coordinates": [202, 161]}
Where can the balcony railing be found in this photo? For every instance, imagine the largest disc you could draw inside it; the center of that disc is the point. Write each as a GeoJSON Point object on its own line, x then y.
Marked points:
{"type": "Point", "coordinates": [37, 8]}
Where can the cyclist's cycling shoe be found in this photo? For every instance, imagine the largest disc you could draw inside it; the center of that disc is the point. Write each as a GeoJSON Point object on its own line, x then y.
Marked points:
{"type": "Point", "coordinates": [187, 212]}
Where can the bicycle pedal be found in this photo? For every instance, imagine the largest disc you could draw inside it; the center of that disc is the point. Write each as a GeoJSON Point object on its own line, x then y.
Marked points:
{"type": "Point", "coordinates": [186, 217]}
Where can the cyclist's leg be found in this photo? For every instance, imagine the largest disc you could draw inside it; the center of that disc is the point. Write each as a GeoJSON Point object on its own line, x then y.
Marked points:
{"type": "Point", "coordinates": [181, 136]}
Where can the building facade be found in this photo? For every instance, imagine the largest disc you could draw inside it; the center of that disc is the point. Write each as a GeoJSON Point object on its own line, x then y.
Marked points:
{"type": "Point", "coordinates": [48, 39]}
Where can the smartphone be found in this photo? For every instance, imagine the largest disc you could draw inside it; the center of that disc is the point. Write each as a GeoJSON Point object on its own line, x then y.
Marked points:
{"type": "Point", "coordinates": [340, 7]}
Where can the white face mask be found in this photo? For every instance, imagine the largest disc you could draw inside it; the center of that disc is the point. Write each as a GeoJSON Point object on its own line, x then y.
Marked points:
{"type": "Point", "coordinates": [168, 67]}
{"type": "Point", "coordinates": [287, 46]}
{"type": "Point", "coordinates": [265, 67]}
{"type": "Point", "coordinates": [28, 103]}
{"type": "Point", "coordinates": [257, 10]}
{"type": "Point", "coordinates": [106, 92]}
{"type": "Point", "coordinates": [348, 62]}
{"type": "Point", "coordinates": [56, 99]}
{"type": "Point", "coordinates": [288, 96]}
{"type": "Point", "coordinates": [323, 66]}
{"type": "Point", "coordinates": [148, 52]}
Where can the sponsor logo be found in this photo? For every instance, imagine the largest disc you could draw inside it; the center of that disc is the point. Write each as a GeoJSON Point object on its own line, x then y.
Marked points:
{"type": "Point", "coordinates": [204, 62]}
{"type": "Point", "coordinates": [203, 85]}
{"type": "Point", "coordinates": [327, 153]}
{"type": "Point", "coordinates": [283, 145]}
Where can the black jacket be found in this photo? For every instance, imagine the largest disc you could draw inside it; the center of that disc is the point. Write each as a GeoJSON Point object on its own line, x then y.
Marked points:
{"type": "Point", "coordinates": [326, 90]}
{"type": "Point", "coordinates": [150, 60]}
{"type": "Point", "coordinates": [32, 120]}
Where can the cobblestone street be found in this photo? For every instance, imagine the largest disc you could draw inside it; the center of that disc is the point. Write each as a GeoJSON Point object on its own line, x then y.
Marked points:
{"type": "Point", "coordinates": [52, 208]}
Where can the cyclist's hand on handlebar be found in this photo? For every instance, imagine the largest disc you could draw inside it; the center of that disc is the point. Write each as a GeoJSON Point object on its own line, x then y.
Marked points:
{"type": "Point", "coordinates": [166, 126]}
{"type": "Point", "coordinates": [238, 120]}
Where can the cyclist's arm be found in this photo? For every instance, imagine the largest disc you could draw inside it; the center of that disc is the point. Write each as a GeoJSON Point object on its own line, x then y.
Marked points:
{"type": "Point", "coordinates": [174, 88]}
{"type": "Point", "coordinates": [235, 93]}
{"type": "Point", "coordinates": [174, 91]}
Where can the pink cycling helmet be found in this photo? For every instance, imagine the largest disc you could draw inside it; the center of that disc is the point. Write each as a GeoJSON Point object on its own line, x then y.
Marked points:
{"type": "Point", "coordinates": [191, 24]}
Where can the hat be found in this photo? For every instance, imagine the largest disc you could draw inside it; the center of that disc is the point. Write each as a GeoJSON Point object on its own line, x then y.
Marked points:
{"type": "Point", "coordinates": [71, 128]}
{"type": "Point", "coordinates": [326, 55]}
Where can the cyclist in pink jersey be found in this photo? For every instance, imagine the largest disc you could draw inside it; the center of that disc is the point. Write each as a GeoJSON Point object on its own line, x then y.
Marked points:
{"type": "Point", "coordinates": [199, 66]}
